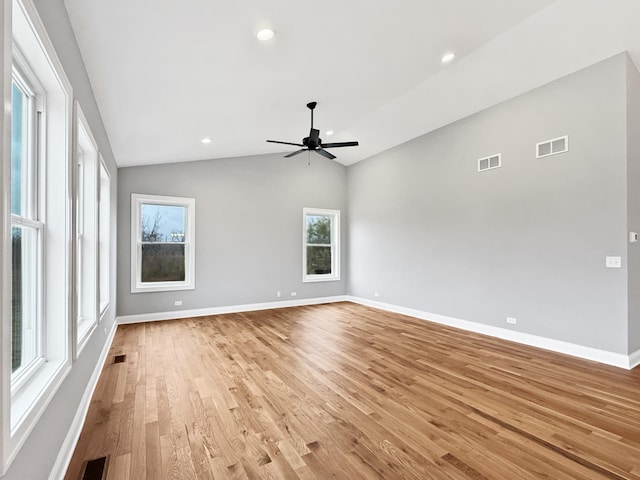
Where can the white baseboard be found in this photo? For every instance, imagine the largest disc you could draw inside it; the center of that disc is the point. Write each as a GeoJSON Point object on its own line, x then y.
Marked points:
{"type": "Point", "coordinates": [580, 351]}
{"type": "Point", "coordinates": [634, 359]}
{"type": "Point", "coordinates": [202, 312]}
{"type": "Point", "coordinates": [68, 446]}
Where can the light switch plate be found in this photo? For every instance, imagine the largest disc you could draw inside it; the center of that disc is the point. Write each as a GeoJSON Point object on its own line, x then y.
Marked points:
{"type": "Point", "coordinates": [614, 262]}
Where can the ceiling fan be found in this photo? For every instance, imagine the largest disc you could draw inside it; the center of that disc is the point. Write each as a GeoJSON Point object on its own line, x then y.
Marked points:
{"type": "Point", "coordinates": [313, 142]}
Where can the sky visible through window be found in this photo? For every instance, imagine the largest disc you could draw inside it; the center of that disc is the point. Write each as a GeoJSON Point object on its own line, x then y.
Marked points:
{"type": "Point", "coordinates": [18, 102]}
{"type": "Point", "coordinates": [163, 223]}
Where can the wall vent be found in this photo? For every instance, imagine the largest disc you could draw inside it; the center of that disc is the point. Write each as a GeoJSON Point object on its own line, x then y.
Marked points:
{"type": "Point", "coordinates": [552, 147]}
{"type": "Point", "coordinates": [490, 162]}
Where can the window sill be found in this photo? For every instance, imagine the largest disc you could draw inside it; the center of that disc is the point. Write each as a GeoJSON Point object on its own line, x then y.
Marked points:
{"type": "Point", "coordinates": [162, 287]}
{"type": "Point", "coordinates": [320, 278]}
{"type": "Point", "coordinates": [31, 400]}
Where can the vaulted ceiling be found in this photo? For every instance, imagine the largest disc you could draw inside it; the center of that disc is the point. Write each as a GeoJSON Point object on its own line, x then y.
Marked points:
{"type": "Point", "coordinates": [168, 73]}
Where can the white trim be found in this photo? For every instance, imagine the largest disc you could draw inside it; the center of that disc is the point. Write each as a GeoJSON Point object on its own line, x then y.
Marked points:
{"type": "Point", "coordinates": [634, 359]}
{"type": "Point", "coordinates": [203, 312]}
{"type": "Point", "coordinates": [104, 241]}
{"type": "Point", "coordinates": [559, 346]}
{"type": "Point", "coordinates": [85, 231]}
{"type": "Point", "coordinates": [73, 435]}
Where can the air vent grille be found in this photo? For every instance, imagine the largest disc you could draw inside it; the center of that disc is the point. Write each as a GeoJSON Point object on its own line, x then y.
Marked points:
{"type": "Point", "coordinates": [552, 147]}
{"type": "Point", "coordinates": [490, 162]}
{"type": "Point", "coordinates": [95, 469]}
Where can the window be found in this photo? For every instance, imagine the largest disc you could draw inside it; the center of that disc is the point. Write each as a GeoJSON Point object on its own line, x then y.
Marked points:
{"type": "Point", "coordinates": [26, 231]}
{"type": "Point", "coordinates": [162, 246]}
{"type": "Point", "coordinates": [104, 220]}
{"type": "Point", "coordinates": [40, 236]}
{"type": "Point", "coordinates": [321, 245]}
{"type": "Point", "coordinates": [86, 231]}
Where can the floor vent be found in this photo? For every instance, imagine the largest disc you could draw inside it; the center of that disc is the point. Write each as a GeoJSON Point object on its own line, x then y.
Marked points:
{"type": "Point", "coordinates": [119, 358]}
{"type": "Point", "coordinates": [95, 469]}
{"type": "Point", "coordinates": [552, 147]}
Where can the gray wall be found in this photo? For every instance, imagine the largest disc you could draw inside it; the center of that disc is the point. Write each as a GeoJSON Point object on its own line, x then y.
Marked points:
{"type": "Point", "coordinates": [38, 455]}
{"type": "Point", "coordinates": [248, 228]}
{"type": "Point", "coordinates": [633, 199]}
{"type": "Point", "coordinates": [527, 240]}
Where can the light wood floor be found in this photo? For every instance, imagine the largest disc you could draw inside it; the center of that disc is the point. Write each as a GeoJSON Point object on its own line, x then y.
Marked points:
{"type": "Point", "coordinates": [345, 391]}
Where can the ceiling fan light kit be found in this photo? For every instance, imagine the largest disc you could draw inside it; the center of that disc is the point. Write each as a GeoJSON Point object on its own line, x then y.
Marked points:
{"type": "Point", "coordinates": [313, 143]}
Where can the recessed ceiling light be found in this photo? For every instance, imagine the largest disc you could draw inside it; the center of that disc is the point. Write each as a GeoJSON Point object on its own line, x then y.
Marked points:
{"type": "Point", "coordinates": [265, 34]}
{"type": "Point", "coordinates": [448, 57]}
{"type": "Point", "coordinates": [206, 140]}
{"type": "Point", "coordinates": [329, 132]}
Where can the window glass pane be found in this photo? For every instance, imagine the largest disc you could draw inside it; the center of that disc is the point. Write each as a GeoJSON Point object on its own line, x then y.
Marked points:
{"type": "Point", "coordinates": [318, 229]}
{"type": "Point", "coordinates": [19, 137]}
{"type": "Point", "coordinates": [163, 263]}
{"type": "Point", "coordinates": [318, 260]}
{"type": "Point", "coordinates": [163, 223]}
{"type": "Point", "coordinates": [23, 299]}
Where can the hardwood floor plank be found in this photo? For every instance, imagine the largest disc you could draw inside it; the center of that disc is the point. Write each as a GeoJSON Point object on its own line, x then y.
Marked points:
{"type": "Point", "coordinates": [347, 391]}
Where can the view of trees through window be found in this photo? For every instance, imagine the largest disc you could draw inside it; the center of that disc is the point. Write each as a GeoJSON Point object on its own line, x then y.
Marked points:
{"type": "Point", "coordinates": [24, 235]}
{"type": "Point", "coordinates": [162, 232]}
{"type": "Point", "coordinates": [318, 245]}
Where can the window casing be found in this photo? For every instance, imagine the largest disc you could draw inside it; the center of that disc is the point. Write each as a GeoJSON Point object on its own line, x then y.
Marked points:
{"type": "Point", "coordinates": [86, 231]}
{"type": "Point", "coordinates": [320, 245]}
{"type": "Point", "coordinates": [104, 238]}
{"type": "Point", "coordinates": [162, 243]}
{"type": "Point", "coordinates": [38, 235]}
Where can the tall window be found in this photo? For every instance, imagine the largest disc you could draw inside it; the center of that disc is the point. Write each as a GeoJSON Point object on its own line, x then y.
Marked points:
{"type": "Point", "coordinates": [86, 229]}
{"type": "Point", "coordinates": [40, 234]}
{"type": "Point", "coordinates": [104, 220]}
{"type": "Point", "coordinates": [321, 245]}
{"type": "Point", "coordinates": [162, 247]}
{"type": "Point", "coordinates": [26, 231]}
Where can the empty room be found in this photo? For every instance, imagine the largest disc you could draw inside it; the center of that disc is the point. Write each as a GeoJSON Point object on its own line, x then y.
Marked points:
{"type": "Point", "coordinates": [294, 240]}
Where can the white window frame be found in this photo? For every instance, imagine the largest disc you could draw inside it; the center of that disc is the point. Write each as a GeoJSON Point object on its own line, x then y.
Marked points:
{"type": "Point", "coordinates": [23, 404]}
{"type": "Point", "coordinates": [86, 232]}
{"type": "Point", "coordinates": [137, 285]}
{"type": "Point", "coordinates": [334, 215]}
{"type": "Point", "coordinates": [104, 239]}
{"type": "Point", "coordinates": [27, 82]}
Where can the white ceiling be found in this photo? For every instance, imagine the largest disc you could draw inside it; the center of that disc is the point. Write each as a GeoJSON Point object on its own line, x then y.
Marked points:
{"type": "Point", "coordinates": [168, 73]}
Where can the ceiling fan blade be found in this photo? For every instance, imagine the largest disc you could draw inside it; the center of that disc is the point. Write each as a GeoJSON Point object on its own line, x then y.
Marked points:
{"type": "Point", "coordinates": [339, 144]}
{"type": "Point", "coordinates": [286, 143]}
{"type": "Point", "coordinates": [296, 152]}
{"type": "Point", "coordinates": [324, 153]}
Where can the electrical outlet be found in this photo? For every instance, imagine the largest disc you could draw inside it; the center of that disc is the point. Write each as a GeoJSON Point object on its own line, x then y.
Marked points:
{"type": "Point", "coordinates": [177, 303]}
{"type": "Point", "coordinates": [293, 294]}
{"type": "Point", "coordinates": [376, 294]}
{"type": "Point", "coordinates": [278, 294]}
{"type": "Point", "coordinates": [105, 331]}
{"type": "Point", "coordinates": [512, 320]}
{"type": "Point", "coordinates": [613, 262]}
